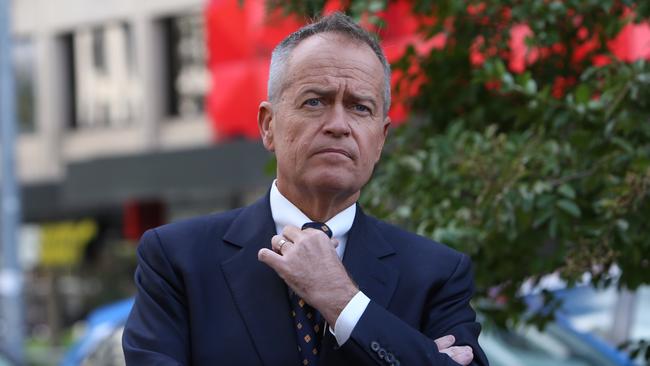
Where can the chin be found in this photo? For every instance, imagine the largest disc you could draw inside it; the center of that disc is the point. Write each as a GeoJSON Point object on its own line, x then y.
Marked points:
{"type": "Point", "coordinates": [331, 181]}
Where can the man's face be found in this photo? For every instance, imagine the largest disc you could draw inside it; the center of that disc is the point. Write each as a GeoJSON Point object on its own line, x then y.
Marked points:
{"type": "Point", "coordinates": [327, 126]}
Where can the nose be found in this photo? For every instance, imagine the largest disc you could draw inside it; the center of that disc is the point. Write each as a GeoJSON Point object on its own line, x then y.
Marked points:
{"type": "Point", "coordinates": [337, 124]}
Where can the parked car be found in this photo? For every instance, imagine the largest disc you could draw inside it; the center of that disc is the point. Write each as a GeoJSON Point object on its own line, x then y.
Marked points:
{"type": "Point", "coordinates": [7, 359]}
{"type": "Point", "coordinates": [558, 345]}
{"type": "Point", "coordinates": [101, 342]}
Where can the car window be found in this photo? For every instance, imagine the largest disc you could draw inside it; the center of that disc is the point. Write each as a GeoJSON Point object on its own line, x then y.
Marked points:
{"type": "Point", "coordinates": [108, 352]}
{"type": "Point", "coordinates": [529, 346]}
{"type": "Point", "coordinates": [641, 324]}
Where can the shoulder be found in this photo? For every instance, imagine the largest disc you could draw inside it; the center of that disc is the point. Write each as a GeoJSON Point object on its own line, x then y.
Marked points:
{"type": "Point", "coordinates": [189, 235]}
{"type": "Point", "coordinates": [199, 226]}
{"type": "Point", "coordinates": [418, 253]}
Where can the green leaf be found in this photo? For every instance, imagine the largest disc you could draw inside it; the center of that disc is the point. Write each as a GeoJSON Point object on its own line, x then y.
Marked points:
{"type": "Point", "coordinates": [507, 79]}
{"type": "Point", "coordinates": [567, 191]}
{"type": "Point", "coordinates": [569, 207]}
{"type": "Point", "coordinates": [552, 227]}
{"type": "Point", "coordinates": [643, 78]}
{"type": "Point", "coordinates": [583, 94]}
{"type": "Point", "coordinates": [622, 225]}
{"type": "Point", "coordinates": [541, 187]}
{"type": "Point", "coordinates": [542, 219]}
{"type": "Point", "coordinates": [531, 86]}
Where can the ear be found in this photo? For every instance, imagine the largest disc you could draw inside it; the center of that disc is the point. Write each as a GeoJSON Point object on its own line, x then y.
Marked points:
{"type": "Point", "coordinates": [384, 133]}
{"type": "Point", "coordinates": [386, 122]}
{"type": "Point", "coordinates": [265, 124]}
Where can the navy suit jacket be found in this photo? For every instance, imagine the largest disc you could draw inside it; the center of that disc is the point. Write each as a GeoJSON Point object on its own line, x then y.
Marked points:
{"type": "Point", "coordinates": [204, 298]}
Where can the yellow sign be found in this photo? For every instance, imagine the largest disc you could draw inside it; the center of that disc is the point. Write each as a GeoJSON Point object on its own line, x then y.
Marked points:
{"type": "Point", "coordinates": [63, 243]}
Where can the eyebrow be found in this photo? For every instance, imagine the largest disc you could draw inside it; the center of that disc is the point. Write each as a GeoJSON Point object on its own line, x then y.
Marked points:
{"type": "Point", "coordinates": [363, 98]}
{"type": "Point", "coordinates": [318, 91]}
{"type": "Point", "coordinates": [327, 92]}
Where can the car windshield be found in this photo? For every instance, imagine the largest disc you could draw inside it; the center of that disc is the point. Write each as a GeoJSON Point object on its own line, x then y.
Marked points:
{"type": "Point", "coordinates": [528, 346]}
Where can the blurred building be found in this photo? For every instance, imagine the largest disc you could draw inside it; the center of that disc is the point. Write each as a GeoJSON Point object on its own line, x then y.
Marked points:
{"type": "Point", "coordinates": [114, 138]}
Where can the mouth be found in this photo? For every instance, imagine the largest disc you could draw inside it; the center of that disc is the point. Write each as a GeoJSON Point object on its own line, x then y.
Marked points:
{"type": "Point", "coordinates": [334, 151]}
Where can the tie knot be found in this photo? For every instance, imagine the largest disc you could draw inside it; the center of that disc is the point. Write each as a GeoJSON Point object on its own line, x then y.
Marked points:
{"type": "Point", "coordinates": [318, 226]}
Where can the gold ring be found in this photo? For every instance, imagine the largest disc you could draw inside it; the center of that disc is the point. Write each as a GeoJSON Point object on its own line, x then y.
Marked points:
{"type": "Point", "coordinates": [282, 243]}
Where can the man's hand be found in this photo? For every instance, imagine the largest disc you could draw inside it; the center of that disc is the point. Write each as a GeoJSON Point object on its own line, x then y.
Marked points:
{"type": "Point", "coordinates": [307, 261]}
{"type": "Point", "coordinates": [460, 354]}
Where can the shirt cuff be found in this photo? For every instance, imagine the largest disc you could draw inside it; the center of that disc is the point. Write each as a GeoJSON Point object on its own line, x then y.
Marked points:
{"type": "Point", "coordinates": [349, 317]}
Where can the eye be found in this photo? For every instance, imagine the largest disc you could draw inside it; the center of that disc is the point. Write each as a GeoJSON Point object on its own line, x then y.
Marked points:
{"type": "Point", "coordinates": [361, 108]}
{"type": "Point", "coordinates": [312, 102]}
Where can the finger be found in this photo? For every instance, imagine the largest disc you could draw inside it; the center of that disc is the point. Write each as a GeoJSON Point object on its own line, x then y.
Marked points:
{"type": "Point", "coordinates": [463, 355]}
{"type": "Point", "coordinates": [445, 342]}
{"type": "Point", "coordinates": [291, 233]}
{"type": "Point", "coordinates": [465, 358]}
{"type": "Point", "coordinates": [271, 258]}
{"type": "Point", "coordinates": [455, 350]}
{"type": "Point", "coordinates": [460, 354]}
{"type": "Point", "coordinates": [335, 242]}
{"type": "Point", "coordinates": [279, 243]}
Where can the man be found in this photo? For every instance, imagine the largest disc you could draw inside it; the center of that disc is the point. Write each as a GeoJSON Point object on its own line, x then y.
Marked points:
{"type": "Point", "coordinates": [265, 285]}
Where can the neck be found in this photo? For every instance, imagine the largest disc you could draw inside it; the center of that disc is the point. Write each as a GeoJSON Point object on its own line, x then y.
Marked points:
{"type": "Point", "coordinates": [318, 205]}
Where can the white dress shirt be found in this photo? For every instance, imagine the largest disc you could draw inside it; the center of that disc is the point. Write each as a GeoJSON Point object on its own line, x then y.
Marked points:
{"type": "Point", "coordinates": [286, 213]}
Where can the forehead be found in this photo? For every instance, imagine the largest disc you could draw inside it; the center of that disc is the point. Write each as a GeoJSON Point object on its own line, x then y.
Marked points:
{"type": "Point", "coordinates": [330, 57]}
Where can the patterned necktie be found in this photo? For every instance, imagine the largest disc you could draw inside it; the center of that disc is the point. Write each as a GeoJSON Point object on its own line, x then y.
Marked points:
{"type": "Point", "coordinates": [309, 323]}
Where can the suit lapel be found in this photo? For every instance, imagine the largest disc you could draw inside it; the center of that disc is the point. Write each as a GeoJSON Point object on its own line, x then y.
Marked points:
{"type": "Point", "coordinates": [259, 293]}
{"type": "Point", "coordinates": [364, 259]}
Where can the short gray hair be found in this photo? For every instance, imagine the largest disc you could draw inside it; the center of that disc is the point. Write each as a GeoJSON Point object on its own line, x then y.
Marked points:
{"type": "Point", "coordinates": [334, 23]}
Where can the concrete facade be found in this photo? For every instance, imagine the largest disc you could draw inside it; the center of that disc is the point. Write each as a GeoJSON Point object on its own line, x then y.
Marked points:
{"type": "Point", "coordinates": [44, 153]}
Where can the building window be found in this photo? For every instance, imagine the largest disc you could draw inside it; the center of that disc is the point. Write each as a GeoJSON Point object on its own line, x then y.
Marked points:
{"type": "Point", "coordinates": [187, 70]}
{"type": "Point", "coordinates": [107, 90]}
{"type": "Point", "coordinates": [99, 50]}
{"type": "Point", "coordinates": [66, 43]}
{"type": "Point", "coordinates": [23, 66]}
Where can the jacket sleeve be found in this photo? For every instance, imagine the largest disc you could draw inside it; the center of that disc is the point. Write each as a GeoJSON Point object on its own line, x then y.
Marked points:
{"type": "Point", "coordinates": [156, 331]}
{"type": "Point", "coordinates": [382, 338]}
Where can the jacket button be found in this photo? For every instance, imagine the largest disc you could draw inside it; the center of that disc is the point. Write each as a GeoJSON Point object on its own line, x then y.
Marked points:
{"type": "Point", "coordinates": [374, 346]}
{"type": "Point", "coordinates": [382, 353]}
{"type": "Point", "coordinates": [390, 358]}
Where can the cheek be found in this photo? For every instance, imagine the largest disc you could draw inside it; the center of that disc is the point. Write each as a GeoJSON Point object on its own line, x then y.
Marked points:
{"type": "Point", "coordinates": [290, 129]}
{"type": "Point", "coordinates": [291, 139]}
{"type": "Point", "coordinates": [291, 146]}
{"type": "Point", "coordinates": [372, 146]}
{"type": "Point", "coordinates": [282, 132]}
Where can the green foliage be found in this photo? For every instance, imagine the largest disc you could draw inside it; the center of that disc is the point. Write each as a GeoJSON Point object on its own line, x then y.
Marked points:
{"type": "Point", "coordinates": [531, 173]}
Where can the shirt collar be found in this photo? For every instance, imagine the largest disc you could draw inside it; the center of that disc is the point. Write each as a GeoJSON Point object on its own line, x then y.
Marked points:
{"type": "Point", "coordinates": [286, 213]}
